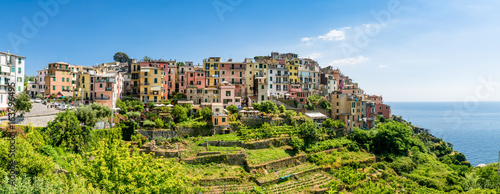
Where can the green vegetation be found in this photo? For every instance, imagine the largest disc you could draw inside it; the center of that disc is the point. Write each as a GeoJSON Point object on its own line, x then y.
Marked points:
{"type": "Point", "coordinates": [23, 103]}
{"type": "Point", "coordinates": [69, 156]}
{"type": "Point", "coordinates": [262, 156]}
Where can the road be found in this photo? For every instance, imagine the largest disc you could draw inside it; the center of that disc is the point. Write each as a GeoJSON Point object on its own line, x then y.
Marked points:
{"type": "Point", "coordinates": [39, 116]}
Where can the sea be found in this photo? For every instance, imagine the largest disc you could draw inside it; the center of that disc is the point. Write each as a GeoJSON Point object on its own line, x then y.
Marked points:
{"type": "Point", "coordinates": [472, 127]}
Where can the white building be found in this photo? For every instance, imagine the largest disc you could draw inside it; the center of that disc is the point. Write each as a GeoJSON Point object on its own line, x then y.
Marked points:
{"type": "Point", "coordinates": [277, 79]}
{"type": "Point", "coordinates": [12, 71]}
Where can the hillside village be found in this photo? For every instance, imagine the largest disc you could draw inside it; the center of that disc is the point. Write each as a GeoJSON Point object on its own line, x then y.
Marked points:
{"type": "Point", "coordinates": [271, 124]}
{"type": "Point", "coordinates": [283, 78]}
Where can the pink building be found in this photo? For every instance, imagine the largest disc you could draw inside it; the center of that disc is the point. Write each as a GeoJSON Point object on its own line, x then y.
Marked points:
{"type": "Point", "coordinates": [234, 74]}
{"type": "Point", "coordinates": [376, 99]}
{"type": "Point", "coordinates": [183, 76]}
{"type": "Point", "coordinates": [199, 78]}
{"type": "Point", "coordinates": [107, 88]}
{"type": "Point", "coordinates": [41, 80]}
{"type": "Point", "coordinates": [383, 109]}
{"type": "Point", "coordinates": [170, 78]}
{"type": "Point", "coordinates": [228, 97]}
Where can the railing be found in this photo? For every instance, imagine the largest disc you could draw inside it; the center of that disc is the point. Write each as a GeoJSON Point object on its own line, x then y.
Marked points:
{"type": "Point", "coordinates": [109, 88]}
{"type": "Point", "coordinates": [238, 68]}
{"type": "Point", "coordinates": [154, 93]}
{"type": "Point", "coordinates": [101, 98]}
{"type": "Point", "coordinates": [106, 80]}
{"type": "Point", "coordinates": [51, 74]}
{"type": "Point", "coordinates": [236, 83]}
{"type": "Point", "coordinates": [145, 84]}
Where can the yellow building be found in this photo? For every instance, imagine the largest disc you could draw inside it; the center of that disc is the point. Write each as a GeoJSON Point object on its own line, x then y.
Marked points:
{"type": "Point", "coordinates": [151, 83]}
{"type": "Point", "coordinates": [212, 71]}
{"type": "Point", "coordinates": [249, 78]}
{"type": "Point", "coordinates": [293, 69]}
{"type": "Point", "coordinates": [84, 88]}
{"type": "Point", "coordinates": [134, 80]}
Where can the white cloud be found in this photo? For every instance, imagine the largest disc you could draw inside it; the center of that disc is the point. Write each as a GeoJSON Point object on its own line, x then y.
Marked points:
{"type": "Point", "coordinates": [349, 61]}
{"type": "Point", "coordinates": [382, 66]}
{"type": "Point", "coordinates": [335, 34]}
{"type": "Point", "coordinates": [314, 56]}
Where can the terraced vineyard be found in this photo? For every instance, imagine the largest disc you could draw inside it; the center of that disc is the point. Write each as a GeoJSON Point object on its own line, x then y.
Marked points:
{"type": "Point", "coordinates": [287, 171]}
{"type": "Point", "coordinates": [305, 183]}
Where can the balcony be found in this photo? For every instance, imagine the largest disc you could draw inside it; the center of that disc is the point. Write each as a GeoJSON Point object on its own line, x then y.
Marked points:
{"type": "Point", "coordinates": [105, 80]}
{"type": "Point", "coordinates": [236, 83]}
{"type": "Point", "coordinates": [109, 88]}
{"type": "Point", "coordinates": [154, 93]}
{"type": "Point", "coordinates": [51, 74]}
{"type": "Point", "coordinates": [145, 84]}
{"type": "Point", "coordinates": [238, 68]}
{"type": "Point", "coordinates": [102, 98]}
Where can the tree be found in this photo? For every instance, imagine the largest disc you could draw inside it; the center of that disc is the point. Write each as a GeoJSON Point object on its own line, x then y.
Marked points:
{"type": "Point", "coordinates": [111, 166]}
{"type": "Point", "coordinates": [146, 59]}
{"type": "Point", "coordinates": [23, 103]}
{"type": "Point", "coordinates": [180, 64]}
{"type": "Point", "coordinates": [282, 108]}
{"type": "Point", "coordinates": [296, 143]}
{"type": "Point", "coordinates": [86, 115]}
{"type": "Point", "coordinates": [65, 131]}
{"type": "Point", "coordinates": [101, 110]}
{"type": "Point", "coordinates": [39, 96]}
{"type": "Point", "coordinates": [206, 113]}
{"type": "Point", "coordinates": [121, 57]}
{"type": "Point", "coordinates": [268, 107]}
{"type": "Point", "coordinates": [309, 132]}
{"type": "Point", "coordinates": [392, 138]}
{"type": "Point", "coordinates": [256, 106]}
{"type": "Point", "coordinates": [180, 114]}
{"type": "Point", "coordinates": [159, 123]}
{"type": "Point", "coordinates": [232, 108]}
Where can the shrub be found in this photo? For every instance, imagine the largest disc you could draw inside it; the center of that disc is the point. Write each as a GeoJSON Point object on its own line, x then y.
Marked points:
{"type": "Point", "coordinates": [148, 124]}
{"type": "Point", "coordinates": [296, 143]}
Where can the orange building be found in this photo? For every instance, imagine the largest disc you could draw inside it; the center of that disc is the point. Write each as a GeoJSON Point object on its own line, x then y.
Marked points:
{"type": "Point", "coordinates": [58, 79]}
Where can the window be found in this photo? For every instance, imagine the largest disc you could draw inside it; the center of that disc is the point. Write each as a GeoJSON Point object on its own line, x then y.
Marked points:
{"type": "Point", "coordinates": [232, 72]}
{"type": "Point", "coordinates": [67, 79]}
{"type": "Point", "coordinates": [73, 75]}
{"type": "Point", "coordinates": [156, 79]}
{"type": "Point", "coordinates": [228, 93]}
{"type": "Point", "coordinates": [262, 97]}
{"type": "Point", "coordinates": [270, 78]}
{"type": "Point", "coordinates": [19, 69]}
{"type": "Point", "coordinates": [223, 119]}
{"type": "Point", "coordinates": [271, 86]}
{"type": "Point", "coordinates": [271, 71]}
{"type": "Point", "coordinates": [100, 85]}
{"type": "Point", "coordinates": [12, 69]}
{"type": "Point", "coordinates": [156, 72]}
{"type": "Point", "coordinates": [262, 86]}
{"type": "Point", "coordinates": [53, 87]}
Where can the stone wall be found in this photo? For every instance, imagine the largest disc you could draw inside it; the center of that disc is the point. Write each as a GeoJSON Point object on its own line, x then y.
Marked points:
{"type": "Point", "coordinates": [279, 164]}
{"type": "Point", "coordinates": [275, 142]}
{"type": "Point", "coordinates": [161, 153]}
{"type": "Point", "coordinates": [231, 159]}
{"type": "Point", "coordinates": [151, 135]}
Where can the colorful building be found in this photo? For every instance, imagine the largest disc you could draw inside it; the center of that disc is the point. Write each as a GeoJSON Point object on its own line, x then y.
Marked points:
{"type": "Point", "coordinates": [58, 79]}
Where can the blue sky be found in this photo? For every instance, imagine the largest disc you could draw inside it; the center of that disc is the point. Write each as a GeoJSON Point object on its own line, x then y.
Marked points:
{"type": "Point", "coordinates": [423, 50]}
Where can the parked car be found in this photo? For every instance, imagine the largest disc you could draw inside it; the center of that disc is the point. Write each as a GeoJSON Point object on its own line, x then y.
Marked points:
{"type": "Point", "coordinates": [38, 100]}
